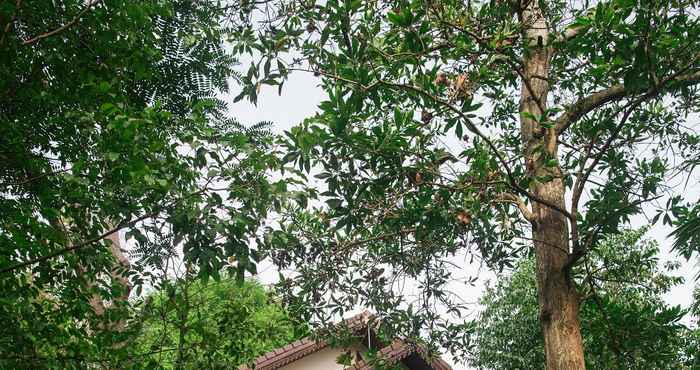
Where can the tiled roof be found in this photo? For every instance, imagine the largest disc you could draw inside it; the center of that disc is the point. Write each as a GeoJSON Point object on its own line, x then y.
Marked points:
{"type": "Point", "coordinates": [397, 351]}
{"type": "Point", "coordinates": [303, 347]}
{"type": "Point", "coordinates": [287, 354]}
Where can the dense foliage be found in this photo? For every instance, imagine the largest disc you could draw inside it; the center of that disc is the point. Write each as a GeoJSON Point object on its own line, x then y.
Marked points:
{"type": "Point", "coordinates": [217, 325]}
{"type": "Point", "coordinates": [455, 135]}
{"type": "Point", "coordinates": [111, 132]}
{"type": "Point", "coordinates": [625, 322]}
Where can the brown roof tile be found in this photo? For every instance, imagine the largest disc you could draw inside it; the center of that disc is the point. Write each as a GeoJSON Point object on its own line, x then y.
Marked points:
{"type": "Point", "coordinates": [398, 350]}
{"type": "Point", "coordinates": [392, 353]}
{"type": "Point", "coordinates": [303, 347]}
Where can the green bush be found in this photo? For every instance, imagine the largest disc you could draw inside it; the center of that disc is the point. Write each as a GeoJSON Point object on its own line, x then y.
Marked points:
{"type": "Point", "coordinates": [214, 325]}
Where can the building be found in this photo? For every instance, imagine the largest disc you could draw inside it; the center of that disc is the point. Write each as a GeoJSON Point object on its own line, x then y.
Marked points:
{"type": "Point", "coordinates": [310, 354]}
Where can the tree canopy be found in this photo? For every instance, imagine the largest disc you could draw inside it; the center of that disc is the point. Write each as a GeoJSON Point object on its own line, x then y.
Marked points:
{"type": "Point", "coordinates": [625, 322]}
{"type": "Point", "coordinates": [112, 129]}
{"type": "Point", "coordinates": [455, 135]}
{"type": "Point", "coordinates": [481, 130]}
{"type": "Point", "coordinates": [215, 325]}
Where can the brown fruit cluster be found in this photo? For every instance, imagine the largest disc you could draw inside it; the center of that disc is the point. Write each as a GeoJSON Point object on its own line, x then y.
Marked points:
{"type": "Point", "coordinates": [426, 117]}
{"type": "Point", "coordinates": [464, 217]}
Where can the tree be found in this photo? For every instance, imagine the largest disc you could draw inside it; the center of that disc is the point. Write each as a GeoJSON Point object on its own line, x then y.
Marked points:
{"type": "Point", "coordinates": [110, 128]}
{"type": "Point", "coordinates": [477, 128]}
{"type": "Point", "coordinates": [215, 325]}
{"type": "Point", "coordinates": [687, 231]}
{"type": "Point", "coordinates": [625, 322]}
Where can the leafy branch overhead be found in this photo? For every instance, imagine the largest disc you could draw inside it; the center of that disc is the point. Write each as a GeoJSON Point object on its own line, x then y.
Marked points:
{"type": "Point", "coordinates": [488, 130]}
{"type": "Point", "coordinates": [455, 137]}
{"type": "Point", "coordinates": [117, 160]}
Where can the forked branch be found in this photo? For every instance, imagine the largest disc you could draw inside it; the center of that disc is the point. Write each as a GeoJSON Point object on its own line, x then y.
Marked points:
{"type": "Point", "coordinates": [520, 203]}
{"type": "Point", "coordinates": [615, 93]}
{"type": "Point", "coordinates": [675, 80]}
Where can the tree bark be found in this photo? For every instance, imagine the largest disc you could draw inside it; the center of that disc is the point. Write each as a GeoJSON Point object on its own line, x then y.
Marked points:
{"type": "Point", "coordinates": [121, 264]}
{"type": "Point", "coordinates": [558, 298]}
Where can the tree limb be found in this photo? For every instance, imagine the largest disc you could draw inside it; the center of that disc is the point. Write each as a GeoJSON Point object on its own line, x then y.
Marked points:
{"type": "Point", "coordinates": [575, 30]}
{"type": "Point", "coordinates": [571, 32]}
{"type": "Point", "coordinates": [675, 80]}
{"type": "Point", "coordinates": [614, 93]}
{"type": "Point", "coordinates": [582, 107]}
{"type": "Point", "coordinates": [471, 127]}
{"type": "Point", "coordinates": [72, 22]}
{"type": "Point", "coordinates": [520, 203]}
{"type": "Point", "coordinates": [78, 245]}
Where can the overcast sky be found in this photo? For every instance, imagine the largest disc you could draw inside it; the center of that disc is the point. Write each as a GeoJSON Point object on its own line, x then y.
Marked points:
{"type": "Point", "coordinates": [300, 98]}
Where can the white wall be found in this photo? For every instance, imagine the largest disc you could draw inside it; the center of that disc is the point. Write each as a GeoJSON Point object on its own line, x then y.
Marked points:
{"type": "Point", "coordinates": [324, 359]}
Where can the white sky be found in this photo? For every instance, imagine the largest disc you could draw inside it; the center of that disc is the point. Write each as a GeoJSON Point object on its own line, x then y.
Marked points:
{"type": "Point", "coordinates": [300, 97]}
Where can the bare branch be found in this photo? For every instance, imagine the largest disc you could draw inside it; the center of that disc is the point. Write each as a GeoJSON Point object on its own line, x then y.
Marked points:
{"type": "Point", "coordinates": [572, 32]}
{"type": "Point", "coordinates": [582, 107]}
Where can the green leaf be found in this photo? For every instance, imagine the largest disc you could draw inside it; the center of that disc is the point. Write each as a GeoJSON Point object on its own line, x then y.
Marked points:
{"type": "Point", "coordinates": [334, 203]}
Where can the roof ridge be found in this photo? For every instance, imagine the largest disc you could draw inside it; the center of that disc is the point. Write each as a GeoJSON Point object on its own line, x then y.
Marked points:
{"type": "Point", "coordinates": [396, 351]}
{"type": "Point", "coordinates": [291, 352]}
{"type": "Point", "coordinates": [400, 349]}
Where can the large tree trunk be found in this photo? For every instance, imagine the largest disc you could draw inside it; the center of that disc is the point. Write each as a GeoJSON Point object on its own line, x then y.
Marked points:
{"type": "Point", "coordinates": [121, 264]}
{"type": "Point", "coordinates": [558, 298]}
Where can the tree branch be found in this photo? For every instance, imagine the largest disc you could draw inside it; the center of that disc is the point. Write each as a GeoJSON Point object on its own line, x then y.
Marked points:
{"type": "Point", "coordinates": [575, 30]}
{"type": "Point", "coordinates": [514, 199]}
{"type": "Point", "coordinates": [582, 107]}
{"type": "Point", "coordinates": [73, 21]}
{"type": "Point", "coordinates": [677, 80]}
{"type": "Point", "coordinates": [571, 32]}
{"type": "Point", "coordinates": [78, 245]}
{"type": "Point", "coordinates": [673, 81]}
{"type": "Point", "coordinates": [614, 93]}
{"type": "Point", "coordinates": [581, 250]}
{"type": "Point", "coordinates": [511, 179]}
